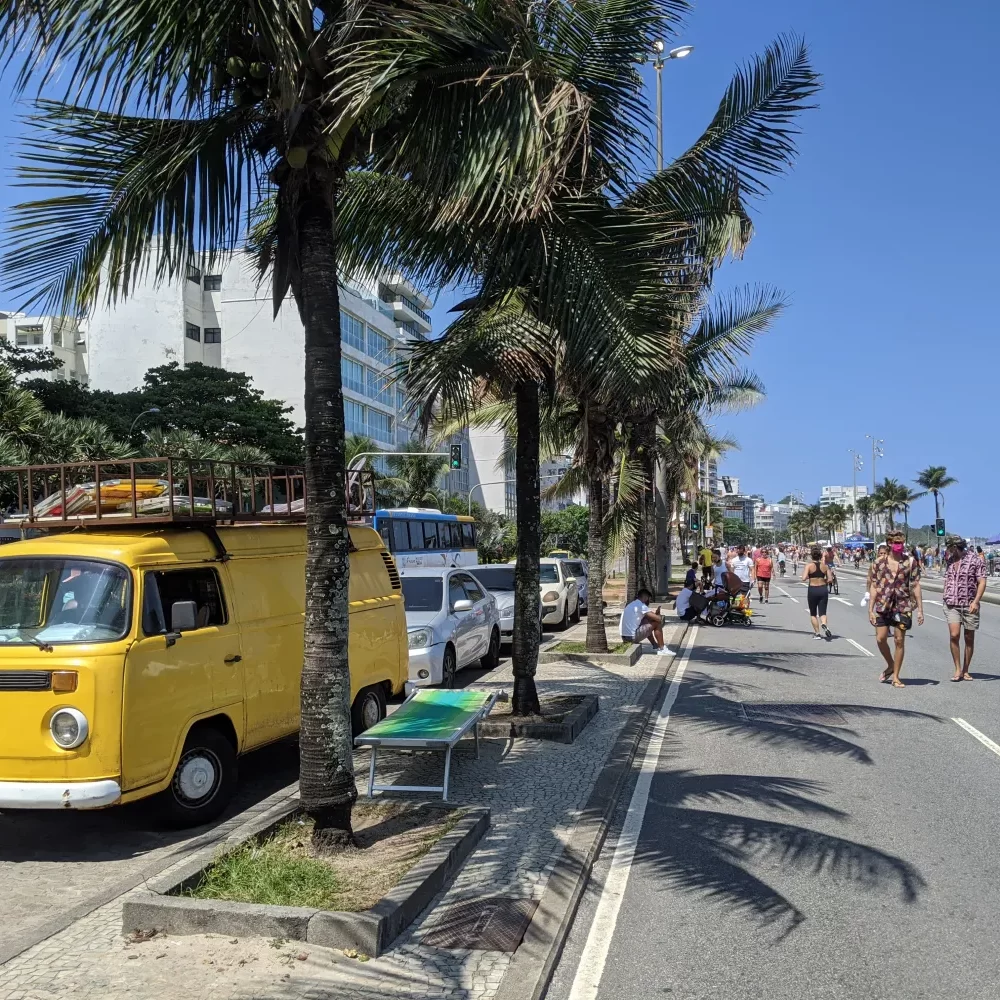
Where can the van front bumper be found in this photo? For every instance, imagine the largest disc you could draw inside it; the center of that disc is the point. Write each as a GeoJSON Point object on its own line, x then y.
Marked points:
{"type": "Point", "coordinates": [58, 795]}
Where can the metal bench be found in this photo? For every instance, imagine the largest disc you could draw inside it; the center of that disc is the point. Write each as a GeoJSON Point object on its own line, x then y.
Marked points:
{"type": "Point", "coordinates": [429, 719]}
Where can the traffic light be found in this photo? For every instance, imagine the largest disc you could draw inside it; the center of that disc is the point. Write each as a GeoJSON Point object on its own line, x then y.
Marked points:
{"type": "Point", "coordinates": [694, 521]}
{"type": "Point", "coordinates": [456, 456]}
{"type": "Point", "coordinates": [939, 526]}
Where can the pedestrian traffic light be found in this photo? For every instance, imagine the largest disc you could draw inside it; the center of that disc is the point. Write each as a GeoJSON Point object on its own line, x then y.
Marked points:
{"type": "Point", "coordinates": [694, 521]}
{"type": "Point", "coordinates": [939, 526]}
{"type": "Point", "coordinates": [456, 456]}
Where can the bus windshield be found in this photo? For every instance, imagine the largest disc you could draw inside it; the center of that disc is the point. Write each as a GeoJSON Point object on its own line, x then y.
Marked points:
{"type": "Point", "coordinates": [46, 601]}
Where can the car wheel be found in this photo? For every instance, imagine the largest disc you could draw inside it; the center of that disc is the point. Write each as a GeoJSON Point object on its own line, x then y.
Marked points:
{"type": "Point", "coordinates": [204, 780]}
{"type": "Point", "coordinates": [583, 608]}
{"type": "Point", "coordinates": [368, 709]}
{"type": "Point", "coordinates": [564, 622]}
{"type": "Point", "coordinates": [449, 668]}
{"type": "Point", "coordinates": [492, 658]}
{"type": "Point", "coordinates": [576, 613]}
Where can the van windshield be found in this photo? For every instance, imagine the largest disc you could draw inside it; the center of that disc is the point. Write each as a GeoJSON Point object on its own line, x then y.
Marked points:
{"type": "Point", "coordinates": [62, 601]}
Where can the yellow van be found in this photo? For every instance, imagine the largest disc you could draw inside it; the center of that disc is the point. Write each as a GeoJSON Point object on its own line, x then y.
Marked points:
{"type": "Point", "coordinates": [139, 660]}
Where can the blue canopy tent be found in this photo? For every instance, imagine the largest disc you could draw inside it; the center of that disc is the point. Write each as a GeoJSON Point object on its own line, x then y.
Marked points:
{"type": "Point", "coordinates": [995, 540]}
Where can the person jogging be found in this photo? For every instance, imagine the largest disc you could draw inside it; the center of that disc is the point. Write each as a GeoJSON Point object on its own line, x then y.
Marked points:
{"type": "Point", "coordinates": [763, 569]}
{"type": "Point", "coordinates": [895, 588]}
{"type": "Point", "coordinates": [816, 576]}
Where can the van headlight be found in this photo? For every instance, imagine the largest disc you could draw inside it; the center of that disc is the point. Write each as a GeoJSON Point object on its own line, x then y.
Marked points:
{"type": "Point", "coordinates": [550, 597]}
{"type": "Point", "coordinates": [419, 639]}
{"type": "Point", "coordinates": [69, 728]}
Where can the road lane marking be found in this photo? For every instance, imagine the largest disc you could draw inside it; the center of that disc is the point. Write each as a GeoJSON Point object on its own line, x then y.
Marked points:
{"type": "Point", "coordinates": [938, 617]}
{"type": "Point", "coordinates": [858, 645]}
{"type": "Point", "coordinates": [842, 601]}
{"type": "Point", "coordinates": [595, 954]}
{"type": "Point", "coordinates": [785, 592]}
{"type": "Point", "coordinates": [927, 600]}
{"type": "Point", "coordinates": [985, 740]}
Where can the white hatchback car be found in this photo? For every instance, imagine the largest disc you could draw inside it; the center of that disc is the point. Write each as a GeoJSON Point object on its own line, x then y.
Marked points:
{"type": "Point", "coordinates": [560, 596]}
{"type": "Point", "coordinates": [451, 621]}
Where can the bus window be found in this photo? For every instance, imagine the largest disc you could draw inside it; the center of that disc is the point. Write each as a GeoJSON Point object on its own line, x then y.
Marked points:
{"type": "Point", "coordinates": [445, 536]}
{"type": "Point", "coordinates": [400, 536]}
{"type": "Point", "coordinates": [468, 535]}
{"type": "Point", "coordinates": [386, 532]}
{"type": "Point", "coordinates": [430, 535]}
{"type": "Point", "coordinates": [416, 536]}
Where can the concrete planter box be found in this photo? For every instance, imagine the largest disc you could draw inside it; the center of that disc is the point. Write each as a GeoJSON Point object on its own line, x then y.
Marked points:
{"type": "Point", "coordinates": [559, 732]}
{"type": "Point", "coordinates": [369, 931]}
{"type": "Point", "coordinates": [617, 659]}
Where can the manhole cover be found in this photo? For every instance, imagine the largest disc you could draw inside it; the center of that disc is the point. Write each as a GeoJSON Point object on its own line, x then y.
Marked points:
{"type": "Point", "coordinates": [494, 924]}
{"type": "Point", "coordinates": [815, 715]}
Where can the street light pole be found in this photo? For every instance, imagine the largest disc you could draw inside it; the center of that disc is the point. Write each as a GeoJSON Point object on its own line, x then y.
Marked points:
{"type": "Point", "coordinates": [499, 482]}
{"type": "Point", "coordinates": [152, 409]}
{"type": "Point", "coordinates": [856, 465]}
{"type": "Point", "coordinates": [877, 453]}
{"type": "Point", "coordinates": [681, 52]}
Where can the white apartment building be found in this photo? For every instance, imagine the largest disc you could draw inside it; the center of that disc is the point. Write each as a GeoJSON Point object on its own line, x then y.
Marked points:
{"type": "Point", "coordinates": [727, 486]}
{"type": "Point", "coordinates": [224, 318]}
{"type": "Point", "coordinates": [708, 476]}
{"type": "Point", "coordinates": [844, 495]}
{"type": "Point", "coordinates": [62, 335]}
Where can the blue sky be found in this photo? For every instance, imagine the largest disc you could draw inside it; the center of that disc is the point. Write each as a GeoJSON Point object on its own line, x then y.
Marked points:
{"type": "Point", "coordinates": [883, 237]}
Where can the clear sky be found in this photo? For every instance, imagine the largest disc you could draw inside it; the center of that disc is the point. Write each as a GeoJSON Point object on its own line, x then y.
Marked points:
{"type": "Point", "coordinates": [883, 237]}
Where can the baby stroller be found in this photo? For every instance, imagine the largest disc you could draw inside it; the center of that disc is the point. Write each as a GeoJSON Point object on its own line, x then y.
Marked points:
{"type": "Point", "coordinates": [730, 606]}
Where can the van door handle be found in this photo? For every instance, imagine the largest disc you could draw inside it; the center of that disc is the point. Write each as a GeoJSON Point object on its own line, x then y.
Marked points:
{"type": "Point", "coordinates": [234, 659]}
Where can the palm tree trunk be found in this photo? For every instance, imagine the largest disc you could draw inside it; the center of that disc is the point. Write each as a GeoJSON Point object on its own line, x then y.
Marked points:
{"type": "Point", "coordinates": [597, 637]}
{"type": "Point", "coordinates": [326, 772]}
{"type": "Point", "coordinates": [647, 525]}
{"type": "Point", "coordinates": [529, 546]}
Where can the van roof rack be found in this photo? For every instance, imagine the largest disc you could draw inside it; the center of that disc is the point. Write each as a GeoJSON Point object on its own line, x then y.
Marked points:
{"type": "Point", "coordinates": [153, 491]}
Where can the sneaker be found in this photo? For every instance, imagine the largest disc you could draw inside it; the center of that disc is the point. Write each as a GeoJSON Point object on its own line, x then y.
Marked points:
{"type": "Point", "coordinates": [665, 651]}
{"type": "Point", "coordinates": [826, 631]}
{"type": "Point", "coordinates": [816, 635]}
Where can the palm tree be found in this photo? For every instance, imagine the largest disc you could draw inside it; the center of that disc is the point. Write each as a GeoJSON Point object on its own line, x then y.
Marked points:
{"type": "Point", "coordinates": [832, 519]}
{"type": "Point", "coordinates": [414, 479]}
{"type": "Point", "coordinates": [259, 112]}
{"type": "Point", "coordinates": [934, 479]}
{"type": "Point", "coordinates": [865, 506]}
{"type": "Point", "coordinates": [893, 497]}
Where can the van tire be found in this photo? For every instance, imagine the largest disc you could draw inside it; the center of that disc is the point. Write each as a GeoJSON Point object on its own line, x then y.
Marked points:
{"type": "Point", "coordinates": [492, 658]}
{"type": "Point", "coordinates": [368, 708]}
{"type": "Point", "coordinates": [449, 667]}
{"type": "Point", "coordinates": [204, 780]}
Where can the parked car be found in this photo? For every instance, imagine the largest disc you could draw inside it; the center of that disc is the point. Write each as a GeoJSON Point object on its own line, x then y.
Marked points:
{"type": "Point", "coordinates": [451, 621]}
{"type": "Point", "coordinates": [498, 579]}
{"type": "Point", "coordinates": [578, 570]}
{"type": "Point", "coordinates": [560, 594]}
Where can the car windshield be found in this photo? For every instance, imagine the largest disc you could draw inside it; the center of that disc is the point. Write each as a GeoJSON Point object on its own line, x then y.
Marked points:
{"type": "Point", "coordinates": [495, 578]}
{"type": "Point", "coordinates": [62, 601]}
{"type": "Point", "coordinates": [422, 593]}
{"type": "Point", "coordinates": [547, 573]}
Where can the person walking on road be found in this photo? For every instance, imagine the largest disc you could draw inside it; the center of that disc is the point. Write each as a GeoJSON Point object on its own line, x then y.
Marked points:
{"type": "Point", "coordinates": [763, 568]}
{"type": "Point", "coordinates": [705, 558]}
{"type": "Point", "coordinates": [895, 589]}
{"type": "Point", "coordinates": [816, 576]}
{"type": "Point", "coordinates": [964, 586]}
{"type": "Point", "coordinates": [741, 566]}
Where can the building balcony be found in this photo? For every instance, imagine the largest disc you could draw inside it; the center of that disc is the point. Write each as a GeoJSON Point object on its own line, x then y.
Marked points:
{"type": "Point", "coordinates": [405, 309]}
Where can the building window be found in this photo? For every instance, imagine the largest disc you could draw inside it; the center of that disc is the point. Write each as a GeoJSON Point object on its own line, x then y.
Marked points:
{"type": "Point", "coordinates": [213, 335]}
{"type": "Point", "coordinates": [192, 332]}
{"type": "Point", "coordinates": [352, 331]}
{"type": "Point", "coordinates": [352, 375]}
{"type": "Point", "coordinates": [56, 335]}
{"type": "Point", "coordinates": [379, 347]}
{"type": "Point", "coordinates": [212, 283]}
{"type": "Point", "coordinates": [412, 329]}
{"type": "Point", "coordinates": [193, 274]}
{"type": "Point", "coordinates": [378, 388]}
{"type": "Point", "coordinates": [354, 417]}
{"type": "Point", "coordinates": [379, 425]}
{"type": "Point", "coordinates": [30, 336]}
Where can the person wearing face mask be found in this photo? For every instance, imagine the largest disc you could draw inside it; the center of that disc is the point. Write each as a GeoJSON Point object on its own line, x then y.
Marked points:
{"type": "Point", "coordinates": [894, 583]}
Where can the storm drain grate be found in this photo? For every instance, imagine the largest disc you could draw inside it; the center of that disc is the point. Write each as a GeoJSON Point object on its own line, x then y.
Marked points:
{"type": "Point", "coordinates": [814, 715]}
{"type": "Point", "coordinates": [493, 924]}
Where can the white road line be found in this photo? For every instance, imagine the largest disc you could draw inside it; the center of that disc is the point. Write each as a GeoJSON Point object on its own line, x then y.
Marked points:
{"type": "Point", "coordinates": [938, 617]}
{"type": "Point", "coordinates": [859, 646]}
{"type": "Point", "coordinates": [595, 953]}
{"type": "Point", "coordinates": [985, 740]}
{"type": "Point", "coordinates": [927, 600]}
{"type": "Point", "coordinates": [842, 601]}
{"type": "Point", "coordinates": [785, 592]}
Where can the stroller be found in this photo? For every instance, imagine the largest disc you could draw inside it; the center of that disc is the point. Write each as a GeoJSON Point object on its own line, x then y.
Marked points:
{"type": "Point", "coordinates": [730, 606]}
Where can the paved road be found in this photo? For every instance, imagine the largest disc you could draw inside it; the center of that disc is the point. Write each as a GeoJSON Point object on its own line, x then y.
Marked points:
{"type": "Point", "coordinates": [846, 853]}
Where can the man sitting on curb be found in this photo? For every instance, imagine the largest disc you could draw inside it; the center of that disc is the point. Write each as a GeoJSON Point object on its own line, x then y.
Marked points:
{"type": "Point", "coordinates": [690, 604]}
{"type": "Point", "coordinates": [638, 624]}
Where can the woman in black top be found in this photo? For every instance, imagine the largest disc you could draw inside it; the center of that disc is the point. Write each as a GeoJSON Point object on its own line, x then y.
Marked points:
{"type": "Point", "coordinates": [816, 575]}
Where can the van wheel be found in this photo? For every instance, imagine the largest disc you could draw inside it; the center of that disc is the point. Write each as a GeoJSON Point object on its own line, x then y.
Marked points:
{"type": "Point", "coordinates": [492, 658]}
{"type": "Point", "coordinates": [449, 668]}
{"type": "Point", "coordinates": [204, 781]}
{"type": "Point", "coordinates": [368, 709]}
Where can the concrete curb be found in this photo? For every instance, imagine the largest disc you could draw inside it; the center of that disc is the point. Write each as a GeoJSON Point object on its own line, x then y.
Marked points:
{"type": "Point", "coordinates": [934, 586]}
{"type": "Point", "coordinates": [616, 659]}
{"type": "Point", "coordinates": [559, 732]}
{"type": "Point", "coordinates": [369, 931]}
{"type": "Point", "coordinates": [534, 962]}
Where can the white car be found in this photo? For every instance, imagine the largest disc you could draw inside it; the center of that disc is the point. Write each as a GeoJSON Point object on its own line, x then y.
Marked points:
{"type": "Point", "coordinates": [451, 621]}
{"type": "Point", "coordinates": [560, 596]}
{"type": "Point", "coordinates": [498, 579]}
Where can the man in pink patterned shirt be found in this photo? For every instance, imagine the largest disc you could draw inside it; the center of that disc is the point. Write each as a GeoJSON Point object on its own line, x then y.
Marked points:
{"type": "Point", "coordinates": [964, 585]}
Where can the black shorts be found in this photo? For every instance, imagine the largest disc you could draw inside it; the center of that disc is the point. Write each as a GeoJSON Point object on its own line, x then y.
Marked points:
{"type": "Point", "coordinates": [885, 621]}
{"type": "Point", "coordinates": [818, 598]}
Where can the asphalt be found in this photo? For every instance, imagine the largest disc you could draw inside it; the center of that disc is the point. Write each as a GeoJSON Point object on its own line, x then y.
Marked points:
{"type": "Point", "coordinates": [836, 855]}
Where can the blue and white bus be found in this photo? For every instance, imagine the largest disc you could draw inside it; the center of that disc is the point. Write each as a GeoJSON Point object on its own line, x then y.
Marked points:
{"type": "Point", "coordinates": [423, 536]}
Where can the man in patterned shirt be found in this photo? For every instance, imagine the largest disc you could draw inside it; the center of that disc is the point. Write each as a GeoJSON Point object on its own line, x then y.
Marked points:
{"type": "Point", "coordinates": [964, 585]}
{"type": "Point", "coordinates": [894, 583]}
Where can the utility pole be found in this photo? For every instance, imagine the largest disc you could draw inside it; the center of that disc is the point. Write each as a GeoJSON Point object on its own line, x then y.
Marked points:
{"type": "Point", "coordinates": [857, 463]}
{"type": "Point", "coordinates": [877, 453]}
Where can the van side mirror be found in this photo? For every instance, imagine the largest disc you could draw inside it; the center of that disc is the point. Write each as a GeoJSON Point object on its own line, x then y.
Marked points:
{"type": "Point", "coordinates": [183, 616]}
{"type": "Point", "coordinates": [462, 606]}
